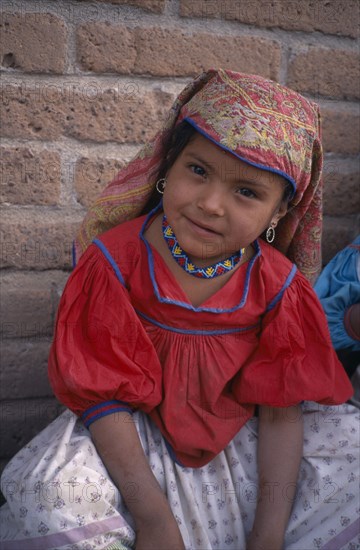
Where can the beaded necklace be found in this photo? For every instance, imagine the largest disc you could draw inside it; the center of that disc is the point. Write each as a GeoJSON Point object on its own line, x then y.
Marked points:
{"type": "Point", "coordinates": [183, 260]}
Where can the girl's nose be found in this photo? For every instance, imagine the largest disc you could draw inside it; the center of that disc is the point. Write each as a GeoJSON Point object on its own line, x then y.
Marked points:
{"type": "Point", "coordinates": [211, 200]}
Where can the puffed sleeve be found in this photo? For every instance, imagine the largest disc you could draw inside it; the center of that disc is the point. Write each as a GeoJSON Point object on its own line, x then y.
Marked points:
{"type": "Point", "coordinates": [295, 360]}
{"type": "Point", "coordinates": [101, 359]}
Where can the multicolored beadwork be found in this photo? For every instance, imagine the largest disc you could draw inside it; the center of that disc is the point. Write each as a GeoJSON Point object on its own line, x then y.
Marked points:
{"type": "Point", "coordinates": [183, 260]}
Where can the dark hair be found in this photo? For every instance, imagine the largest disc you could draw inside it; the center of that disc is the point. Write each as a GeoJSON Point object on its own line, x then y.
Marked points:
{"type": "Point", "coordinates": [172, 146]}
{"type": "Point", "coordinates": [288, 191]}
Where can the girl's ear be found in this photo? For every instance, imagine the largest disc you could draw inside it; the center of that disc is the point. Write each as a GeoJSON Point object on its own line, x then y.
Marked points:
{"type": "Point", "coordinates": [281, 212]}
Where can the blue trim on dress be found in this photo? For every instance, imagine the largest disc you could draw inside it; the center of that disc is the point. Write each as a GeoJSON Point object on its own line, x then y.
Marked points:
{"type": "Point", "coordinates": [92, 419]}
{"type": "Point", "coordinates": [196, 332]}
{"type": "Point", "coordinates": [279, 295]}
{"type": "Point", "coordinates": [186, 305]}
{"type": "Point", "coordinates": [257, 165]}
{"type": "Point", "coordinates": [172, 454]}
{"type": "Point", "coordinates": [73, 255]}
{"type": "Point", "coordinates": [103, 404]}
{"type": "Point", "coordinates": [111, 260]}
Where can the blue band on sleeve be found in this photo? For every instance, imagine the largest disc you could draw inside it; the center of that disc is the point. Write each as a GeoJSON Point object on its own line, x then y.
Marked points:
{"type": "Point", "coordinates": [107, 412]}
{"type": "Point", "coordinates": [104, 409]}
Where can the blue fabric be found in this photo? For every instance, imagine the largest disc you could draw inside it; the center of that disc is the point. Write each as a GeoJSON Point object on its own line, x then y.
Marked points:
{"type": "Point", "coordinates": [110, 259]}
{"type": "Point", "coordinates": [338, 287]}
{"type": "Point", "coordinates": [106, 408]}
{"type": "Point", "coordinates": [286, 285]}
{"type": "Point", "coordinates": [247, 161]}
{"type": "Point", "coordinates": [185, 304]}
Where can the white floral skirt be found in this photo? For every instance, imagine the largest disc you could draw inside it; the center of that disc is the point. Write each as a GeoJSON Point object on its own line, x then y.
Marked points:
{"type": "Point", "coordinates": [59, 495]}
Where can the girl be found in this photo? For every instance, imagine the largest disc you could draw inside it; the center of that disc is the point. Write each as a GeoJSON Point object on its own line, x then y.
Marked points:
{"type": "Point", "coordinates": [187, 345]}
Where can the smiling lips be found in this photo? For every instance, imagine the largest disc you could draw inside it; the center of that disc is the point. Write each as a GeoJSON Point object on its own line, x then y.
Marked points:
{"type": "Point", "coordinates": [202, 229]}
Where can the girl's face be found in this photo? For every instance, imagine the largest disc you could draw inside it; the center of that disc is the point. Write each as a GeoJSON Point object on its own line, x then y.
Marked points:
{"type": "Point", "coordinates": [217, 204]}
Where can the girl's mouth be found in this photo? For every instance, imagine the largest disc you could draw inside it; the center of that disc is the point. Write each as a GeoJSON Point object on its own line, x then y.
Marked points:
{"type": "Point", "coordinates": [202, 229]}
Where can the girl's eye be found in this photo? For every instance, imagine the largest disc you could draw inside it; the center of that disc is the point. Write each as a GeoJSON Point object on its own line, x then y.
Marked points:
{"type": "Point", "coordinates": [246, 192]}
{"type": "Point", "coordinates": [198, 170]}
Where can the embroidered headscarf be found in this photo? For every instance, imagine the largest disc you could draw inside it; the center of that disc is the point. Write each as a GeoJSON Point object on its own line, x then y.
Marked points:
{"type": "Point", "coordinates": [261, 122]}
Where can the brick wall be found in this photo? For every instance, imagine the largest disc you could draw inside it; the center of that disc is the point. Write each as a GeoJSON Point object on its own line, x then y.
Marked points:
{"type": "Point", "coordinates": [85, 83]}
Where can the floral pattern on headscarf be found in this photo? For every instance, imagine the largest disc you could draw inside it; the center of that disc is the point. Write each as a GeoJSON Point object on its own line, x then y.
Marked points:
{"type": "Point", "coordinates": [259, 121]}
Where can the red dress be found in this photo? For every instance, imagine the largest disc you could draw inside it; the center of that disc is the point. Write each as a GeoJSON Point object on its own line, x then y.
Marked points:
{"type": "Point", "coordinates": [128, 338]}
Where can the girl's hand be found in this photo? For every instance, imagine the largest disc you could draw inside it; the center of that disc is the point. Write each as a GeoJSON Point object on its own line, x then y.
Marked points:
{"type": "Point", "coordinates": [119, 447]}
{"type": "Point", "coordinates": [279, 455]}
{"type": "Point", "coordinates": [161, 535]}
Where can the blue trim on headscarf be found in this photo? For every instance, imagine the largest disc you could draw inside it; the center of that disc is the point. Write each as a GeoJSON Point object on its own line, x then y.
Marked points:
{"type": "Point", "coordinates": [256, 165]}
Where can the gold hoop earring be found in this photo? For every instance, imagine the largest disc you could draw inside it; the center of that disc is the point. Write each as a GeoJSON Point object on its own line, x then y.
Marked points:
{"type": "Point", "coordinates": [160, 185]}
{"type": "Point", "coordinates": [270, 234]}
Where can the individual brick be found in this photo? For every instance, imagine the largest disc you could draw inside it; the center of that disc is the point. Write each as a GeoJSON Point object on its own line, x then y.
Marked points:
{"type": "Point", "coordinates": [116, 49]}
{"type": "Point", "coordinates": [38, 238]}
{"type": "Point", "coordinates": [130, 117]}
{"type": "Point", "coordinates": [340, 17]}
{"type": "Point", "coordinates": [34, 110]}
{"type": "Point", "coordinates": [325, 72]}
{"type": "Point", "coordinates": [83, 110]}
{"type": "Point", "coordinates": [28, 304]}
{"type": "Point", "coordinates": [341, 187]}
{"type": "Point", "coordinates": [29, 177]}
{"type": "Point", "coordinates": [341, 129]}
{"type": "Point", "coordinates": [338, 232]}
{"type": "Point", "coordinates": [96, 40]}
{"type": "Point", "coordinates": [24, 369]}
{"type": "Point", "coordinates": [21, 420]}
{"type": "Point", "coordinates": [33, 42]}
{"type": "Point", "coordinates": [188, 55]}
{"type": "Point", "coordinates": [92, 175]}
